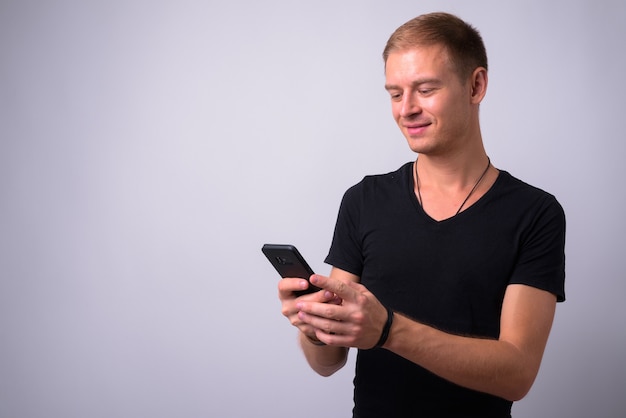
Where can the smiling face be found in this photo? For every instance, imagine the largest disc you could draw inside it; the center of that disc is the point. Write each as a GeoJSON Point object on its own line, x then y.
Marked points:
{"type": "Point", "coordinates": [436, 111]}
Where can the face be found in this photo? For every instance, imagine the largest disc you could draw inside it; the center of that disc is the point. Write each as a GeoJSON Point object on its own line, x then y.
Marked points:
{"type": "Point", "coordinates": [435, 110]}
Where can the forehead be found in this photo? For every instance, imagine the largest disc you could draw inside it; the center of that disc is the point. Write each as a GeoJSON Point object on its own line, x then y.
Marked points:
{"type": "Point", "coordinates": [432, 61]}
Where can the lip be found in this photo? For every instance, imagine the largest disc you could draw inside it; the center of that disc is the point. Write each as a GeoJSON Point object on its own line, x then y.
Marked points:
{"type": "Point", "coordinates": [414, 129]}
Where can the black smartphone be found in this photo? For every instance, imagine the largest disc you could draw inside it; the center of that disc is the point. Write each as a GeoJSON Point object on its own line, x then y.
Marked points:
{"type": "Point", "coordinates": [288, 262]}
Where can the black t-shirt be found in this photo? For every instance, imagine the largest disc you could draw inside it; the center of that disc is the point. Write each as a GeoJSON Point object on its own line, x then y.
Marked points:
{"type": "Point", "coordinates": [449, 274]}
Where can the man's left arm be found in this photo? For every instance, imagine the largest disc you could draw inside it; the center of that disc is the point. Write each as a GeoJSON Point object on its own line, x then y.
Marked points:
{"type": "Point", "coordinates": [505, 367]}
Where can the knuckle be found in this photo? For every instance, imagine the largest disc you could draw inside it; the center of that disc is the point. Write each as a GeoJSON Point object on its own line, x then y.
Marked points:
{"type": "Point", "coordinates": [341, 287]}
{"type": "Point", "coordinates": [361, 299]}
{"type": "Point", "coordinates": [358, 317]}
{"type": "Point", "coordinates": [329, 312]}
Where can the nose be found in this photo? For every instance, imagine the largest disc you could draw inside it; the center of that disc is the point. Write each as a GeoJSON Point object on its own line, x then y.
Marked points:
{"type": "Point", "coordinates": [410, 106]}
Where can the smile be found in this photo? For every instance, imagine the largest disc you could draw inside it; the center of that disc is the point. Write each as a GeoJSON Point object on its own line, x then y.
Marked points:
{"type": "Point", "coordinates": [416, 128]}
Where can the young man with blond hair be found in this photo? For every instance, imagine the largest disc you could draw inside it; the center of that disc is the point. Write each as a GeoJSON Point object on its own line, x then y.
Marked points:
{"type": "Point", "coordinates": [446, 272]}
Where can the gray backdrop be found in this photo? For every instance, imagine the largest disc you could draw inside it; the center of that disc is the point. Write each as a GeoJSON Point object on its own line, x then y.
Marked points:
{"type": "Point", "coordinates": [149, 148]}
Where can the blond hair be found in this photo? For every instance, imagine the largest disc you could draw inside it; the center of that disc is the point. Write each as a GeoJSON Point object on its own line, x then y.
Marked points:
{"type": "Point", "coordinates": [462, 41]}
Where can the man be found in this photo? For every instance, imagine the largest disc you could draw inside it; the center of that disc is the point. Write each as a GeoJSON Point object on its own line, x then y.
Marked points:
{"type": "Point", "coordinates": [446, 272]}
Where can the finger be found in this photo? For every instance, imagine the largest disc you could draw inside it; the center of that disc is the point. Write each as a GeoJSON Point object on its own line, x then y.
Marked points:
{"type": "Point", "coordinates": [335, 300]}
{"type": "Point", "coordinates": [326, 326]}
{"type": "Point", "coordinates": [292, 305]}
{"type": "Point", "coordinates": [336, 339]}
{"type": "Point", "coordinates": [338, 287]}
{"type": "Point", "coordinates": [329, 297]}
{"type": "Point", "coordinates": [287, 287]}
{"type": "Point", "coordinates": [329, 311]}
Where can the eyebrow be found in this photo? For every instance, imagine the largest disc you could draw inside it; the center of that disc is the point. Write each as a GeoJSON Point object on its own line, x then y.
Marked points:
{"type": "Point", "coordinates": [415, 83]}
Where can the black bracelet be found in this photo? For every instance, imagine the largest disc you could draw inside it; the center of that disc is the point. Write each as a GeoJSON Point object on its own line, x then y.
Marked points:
{"type": "Point", "coordinates": [385, 334]}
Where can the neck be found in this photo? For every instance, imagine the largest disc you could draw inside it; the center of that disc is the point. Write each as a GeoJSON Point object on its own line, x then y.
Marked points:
{"type": "Point", "coordinates": [444, 189]}
{"type": "Point", "coordinates": [451, 172]}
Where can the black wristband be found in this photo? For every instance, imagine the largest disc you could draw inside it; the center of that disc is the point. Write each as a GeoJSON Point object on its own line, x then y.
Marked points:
{"type": "Point", "coordinates": [385, 334]}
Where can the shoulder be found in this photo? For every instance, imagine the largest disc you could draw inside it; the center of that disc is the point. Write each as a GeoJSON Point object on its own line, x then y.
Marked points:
{"type": "Point", "coordinates": [539, 222]}
{"type": "Point", "coordinates": [522, 194]}
{"type": "Point", "coordinates": [379, 189]}
{"type": "Point", "coordinates": [536, 212]}
{"type": "Point", "coordinates": [378, 182]}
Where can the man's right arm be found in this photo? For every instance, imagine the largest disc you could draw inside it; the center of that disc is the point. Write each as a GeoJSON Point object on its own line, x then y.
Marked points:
{"type": "Point", "coordinates": [324, 360]}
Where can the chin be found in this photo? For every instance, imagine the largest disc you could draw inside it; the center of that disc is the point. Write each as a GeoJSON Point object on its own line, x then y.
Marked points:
{"type": "Point", "coordinates": [418, 146]}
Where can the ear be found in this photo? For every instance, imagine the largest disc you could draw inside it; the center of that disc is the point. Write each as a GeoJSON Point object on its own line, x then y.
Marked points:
{"type": "Point", "coordinates": [479, 85]}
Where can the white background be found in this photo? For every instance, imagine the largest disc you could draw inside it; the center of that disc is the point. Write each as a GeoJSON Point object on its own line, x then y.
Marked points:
{"type": "Point", "coordinates": [149, 148]}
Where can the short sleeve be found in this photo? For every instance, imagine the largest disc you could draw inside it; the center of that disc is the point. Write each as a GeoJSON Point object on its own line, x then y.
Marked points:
{"type": "Point", "coordinates": [346, 247]}
{"type": "Point", "coordinates": [541, 261]}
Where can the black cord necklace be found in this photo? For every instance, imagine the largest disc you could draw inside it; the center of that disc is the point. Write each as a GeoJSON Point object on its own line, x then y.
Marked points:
{"type": "Point", "coordinates": [419, 194]}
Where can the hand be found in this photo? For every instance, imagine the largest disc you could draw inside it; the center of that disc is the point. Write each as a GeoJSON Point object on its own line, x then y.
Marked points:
{"type": "Point", "coordinates": [286, 289]}
{"type": "Point", "coordinates": [356, 322]}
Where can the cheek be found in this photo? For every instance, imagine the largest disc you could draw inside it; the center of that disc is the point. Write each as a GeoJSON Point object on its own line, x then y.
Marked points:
{"type": "Point", "coordinates": [435, 108]}
{"type": "Point", "coordinates": [444, 112]}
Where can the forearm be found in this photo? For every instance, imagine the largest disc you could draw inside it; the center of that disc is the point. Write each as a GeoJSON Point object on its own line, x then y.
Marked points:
{"type": "Point", "coordinates": [324, 359]}
{"type": "Point", "coordinates": [505, 367]}
{"type": "Point", "coordinates": [492, 366]}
